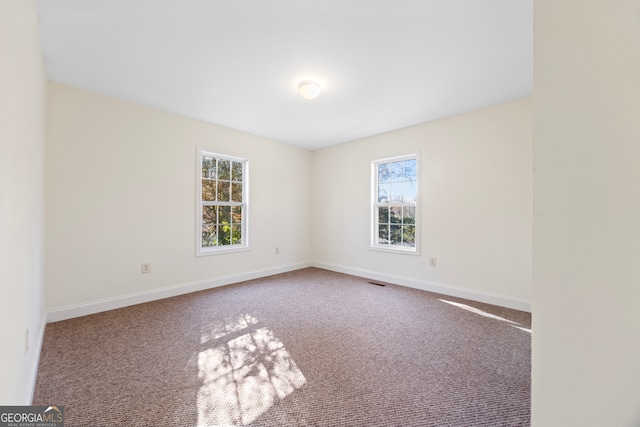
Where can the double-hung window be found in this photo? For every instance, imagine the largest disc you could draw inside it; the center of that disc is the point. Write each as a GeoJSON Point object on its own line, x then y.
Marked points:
{"type": "Point", "coordinates": [395, 204]}
{"type": "Point", "coordinates": [221, 211]}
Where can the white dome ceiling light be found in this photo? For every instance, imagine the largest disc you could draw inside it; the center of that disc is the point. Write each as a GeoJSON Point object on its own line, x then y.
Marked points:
{"type": "Point", "coordinates": [309, 89]}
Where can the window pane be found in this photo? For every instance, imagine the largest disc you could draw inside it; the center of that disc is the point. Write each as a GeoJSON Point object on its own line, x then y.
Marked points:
{"type": "Point", "coordinates": [223, 191]}
{"type": "Point", "coordinates": [210, 215]}
{"type": "Point", "coordinates": [208, 167]}
{"type": "Point", "coordinates": [236, 214]}
{"type": "Point", "coordinates": [383, 173]}
{"type": "Point", "coordinates": [208, 235]}
{"type": "Point", "coordinates": [383, 215]}
{"type": "Point", "coordinates": [224, 170]}
{"type": "Point", "coordinates": [395, 171]}
{"type": "Point", "coordinates": [383, 234]}
{"type": "Point", "coordinates": [225, 215]}
{"type": "Point", "coordinates": [208, 190]}
{"type": "Point", "coordinates": [236, 171]}
{"type": "Point", "coordinates": [395, 234]}
{"type": "Point", "coordinates": [236, 191]}
{"type": "Point", "coordinates": [410, 170]}
{"type": "Point", "coordinates": [409, 215]}
{"type": "Point", "coordinates": [396, 214]}
{"type": "Point", "coordinates": [409, 191]}
{"type": "Point", "coordinates": [383, 192]}
{"type": "Point", "coordinates": [224, 234]}
{"type": "Point", "coordinates": [409, 235]}
{"type": "Point", "coordinates": [396, 192]}
{"type": "Point", "coordinates": [236, 234]}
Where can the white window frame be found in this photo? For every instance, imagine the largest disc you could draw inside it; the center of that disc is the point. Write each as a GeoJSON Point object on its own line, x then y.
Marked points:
{"type": "Point", "coordinates": [374, 245]}
{"type": "Point", "coordinates": [215, 250]}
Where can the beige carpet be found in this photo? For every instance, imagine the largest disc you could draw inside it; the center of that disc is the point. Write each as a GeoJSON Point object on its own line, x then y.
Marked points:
{"type": "Point", "coordinates": [307, 348]}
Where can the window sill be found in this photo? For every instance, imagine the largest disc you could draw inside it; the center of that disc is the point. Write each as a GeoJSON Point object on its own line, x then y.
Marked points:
{"type": "Point", "coordinates": [396, 250]}
{"type": "Point", "coordinates": [221, 251]}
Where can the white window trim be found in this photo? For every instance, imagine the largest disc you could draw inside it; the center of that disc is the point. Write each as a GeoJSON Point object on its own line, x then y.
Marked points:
{"type": "Point", "coordinates": [373, 246]}
{"type": "Point", "coordinates": [217, 250]}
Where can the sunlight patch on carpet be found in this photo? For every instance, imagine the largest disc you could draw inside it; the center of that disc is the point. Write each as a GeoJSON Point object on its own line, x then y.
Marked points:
{"type": "Point", "coordinates": [478, 311]}
{"type": "Point", "coordinates": [242, 377]}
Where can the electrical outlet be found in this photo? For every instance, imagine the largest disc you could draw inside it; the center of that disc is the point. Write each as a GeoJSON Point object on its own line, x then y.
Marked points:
{"type": "Point", "coordinates": [145, 268]}
{"type": "Point", "coordinates": [277, 250]}
{"type": "Point", "coordinates": [26, 341]}
{"type": "Point", "coordinates": [432, 261]}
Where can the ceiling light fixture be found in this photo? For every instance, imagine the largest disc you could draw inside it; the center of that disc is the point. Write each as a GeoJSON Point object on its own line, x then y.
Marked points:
{"type": "Point", "coordinates": [309, 89]}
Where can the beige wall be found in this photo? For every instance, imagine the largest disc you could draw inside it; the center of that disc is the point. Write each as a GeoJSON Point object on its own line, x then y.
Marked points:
{"type": "Point", "coordinates": [586, 242]}
{"type": "Point", "coordinates": [22, 121]}
{"type": "Point", "coordinates": [121, 191]}
{"type": "Point", "coordinates": [475, 205]}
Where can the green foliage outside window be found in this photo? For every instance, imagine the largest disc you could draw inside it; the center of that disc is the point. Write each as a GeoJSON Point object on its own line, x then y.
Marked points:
{"type": "Point", "coordinates": [222, 202]}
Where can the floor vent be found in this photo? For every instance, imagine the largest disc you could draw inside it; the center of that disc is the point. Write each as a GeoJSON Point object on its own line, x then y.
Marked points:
{"type": "Point", "coordinates": [377, 284]}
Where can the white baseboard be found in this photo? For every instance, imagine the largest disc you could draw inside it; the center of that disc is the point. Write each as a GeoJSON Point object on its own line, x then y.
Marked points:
{"type": "Point", "coordinates": [33, 372]}
{"type": "Point", "coordinates": [97, 306]}
{"type": "Point", "coordinates": [470, 294]}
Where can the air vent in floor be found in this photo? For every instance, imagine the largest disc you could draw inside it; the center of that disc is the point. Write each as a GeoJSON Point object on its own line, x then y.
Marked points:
{"type": "Point", "coordinates": [377, 284]}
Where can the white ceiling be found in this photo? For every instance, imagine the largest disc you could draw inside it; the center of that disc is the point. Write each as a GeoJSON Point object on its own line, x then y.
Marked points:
{"type": "Point", "coordinates": [383, 64]}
